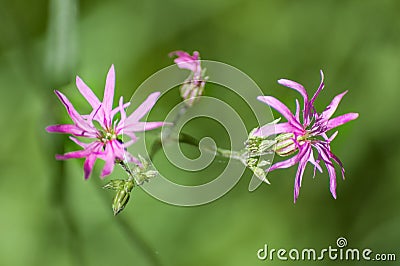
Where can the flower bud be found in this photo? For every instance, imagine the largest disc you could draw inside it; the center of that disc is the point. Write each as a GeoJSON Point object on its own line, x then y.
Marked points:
{"type": "Point", "coordinates": [257, 146]}
{"type": "Point", "coordinates": [260, 173]}
{"type": "Point", "coordinates": [285, 144]}
{"type": "Point", "coordinates": [193, 87]}
{"type": "Point", "coordinates": [116, 184]}
{"type": "Point", "coordinates": [150, 174]}
{"type": "Point", "coordinates": [254, 164]}
{"type": "Point", "coordinates": [122, 197]}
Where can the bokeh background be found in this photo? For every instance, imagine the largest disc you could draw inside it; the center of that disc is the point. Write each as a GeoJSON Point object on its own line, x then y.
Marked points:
{"type": "Point", "coordinates": [51, 216]}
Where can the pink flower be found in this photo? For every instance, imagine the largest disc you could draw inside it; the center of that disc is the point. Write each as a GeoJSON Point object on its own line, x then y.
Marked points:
{"type": "Point", "coordinates": [187, 61]}
{"type": "Point", "coordinates": [105, 140]}
{"type": "Point", "coordinates": [302, 136]}
{"type": "Point", "coordinates": [194, 84]}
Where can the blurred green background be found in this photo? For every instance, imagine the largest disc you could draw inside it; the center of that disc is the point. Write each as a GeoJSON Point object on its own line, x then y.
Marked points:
{"type": "Point", "coordinates": [48, 218]}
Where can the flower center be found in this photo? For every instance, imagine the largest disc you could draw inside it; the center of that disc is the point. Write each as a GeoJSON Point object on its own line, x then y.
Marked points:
{"type": "Point", "coordinates": [106, 136]}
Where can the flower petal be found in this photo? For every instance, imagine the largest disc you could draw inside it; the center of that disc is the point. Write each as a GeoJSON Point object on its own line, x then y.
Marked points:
{"type": "Point", "coordinates": [75, 116]}
{"type": "Point", "coordinates": [88, 165]}
{"type": "Point", "coordinates": [281, 108]}
{"type": "Point", "coordinates": [182, 54]}
{"type": "Point", "coordinates": [108, 166]}
{"type": "Point", "coordinates": [290, 162]}
{"type": "Point", "coordinates": [297, 115]}
{"type": "Point", "coordinates": [306, 151]}
{"type": "Point", "coordinates": [295, 86]}
{"type": "Point", "coordinates": [320, 88]}
{"type": "Point", "coordinates": [340, 120]}
{"type": "Point", "coordinates": [142, 126]}
{"type": "Point", "coordinates": [309, 108]}
{"type": "Point", "coordinates": [339, 162]}
{"type": "Point", "coordinates": [330, 110]}
{"type": "Point", "coordinates": [315, 163]}
{"type": "Point", "coordinates": [109, 94]}
{"type": "Point", "coordinates": [132, 140]}
{"type": "Point", "coordinates": [325, 155]}
{"type": "Point", "coordinates": [87, 93]}
{"type": "Point", "coordinates": [273, 129]}
{"type": "Point", "coordinates": [113, 150]}
{"type": "Point", "coordinates": [94, 147]}
{"type": "Point", "coordinates": [80, 143]}
{"type": "Point", "coordinates": [96, 115]}
{"type": "Point", "coordinates": [331, 138]}
{"type": "Point", "coordinates": [117, 109]}
{"type": "Point", "coordinates": [185, 55]}
{"type": "Point", "coordinates": [121, 123]}
{"type": "Point", "coordinates": [73, 155]}
{"type": "Point", "coordinates": [143, 109]}
{"type": "Point", "coordinates": [118, 149]}
{"type": "Point", "coordinates": [70, 129]}
{"type": "Point", "coordinates": [122, 109]}
{"type": "Point", "coordinates": [186, 61]}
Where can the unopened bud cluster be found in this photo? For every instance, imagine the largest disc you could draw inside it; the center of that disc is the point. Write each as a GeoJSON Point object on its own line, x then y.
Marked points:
{"type": "Point", "coordinates": [137, 176]}
{"type": "Point", "coordinates": [256, 147]}
{"type": "Point", "coordinates": [123, 188]}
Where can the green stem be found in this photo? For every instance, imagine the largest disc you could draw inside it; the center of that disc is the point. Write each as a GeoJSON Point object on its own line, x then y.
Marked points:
{"type": "Point", "coordinates": [185, 138]}
{"type": "Point", "coordinates": [157, 145]}
{"type": "Point", "coordinates": [128, 170]}
{"type": "Point", "coordinates": [132, 234]}
{"type": "Point", "coordinates": [237, 155]}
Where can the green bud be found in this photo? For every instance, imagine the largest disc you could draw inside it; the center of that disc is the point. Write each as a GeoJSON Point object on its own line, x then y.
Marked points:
{"type": "Point", "coordinates": [142, 177]}
{"type": "Point", "coordinates": [141, 174]}
{"type": "Point", "coordinates": [260, 173]}
{"type": "Point", "coordinates": [258, 145]}
{"type": "Point", "coordinates": [251, 162]}
{"type": "Point", "coordinates": [193, 88]}
{"type": "Point", "coordinates": [122, 196]}
{"type": "Point", "coordinates": [115, 184]}
{"type": "Point", "coordinates": [150, 174]}
{"type": "Point", "coordinates": [263, 163]}
{"type": "Point", "coordinates": [145, 163]}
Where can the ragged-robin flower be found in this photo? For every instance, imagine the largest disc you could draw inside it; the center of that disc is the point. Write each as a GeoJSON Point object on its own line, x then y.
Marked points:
{"type": "Point", "coordinates": [194, 84]}
{"type": "Point", "coordinates": [103, 132]}
{"type": "Point", "coordinates": [301, 135]}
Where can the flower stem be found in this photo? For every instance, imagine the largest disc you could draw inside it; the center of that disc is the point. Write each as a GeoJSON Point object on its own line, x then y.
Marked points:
{"type": "Point", "coordinates": [136, 240]}
{"type": "Point", "coordinates": [157, 145]}
{"type": "Point", "coordinates": [185, 138]}
{"type": "Point", "coordinates": [125, 166]}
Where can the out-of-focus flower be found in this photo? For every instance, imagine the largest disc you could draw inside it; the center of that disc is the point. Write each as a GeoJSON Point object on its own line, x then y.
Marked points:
{"type": "Point", "coordinates": [301, 136]}
{"type": "Point", "coordinates": [194, 84]}
{"type": "Point", "coordinates": [101, 129]}
{"type": "Point", "coordinates": [186, 61]}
